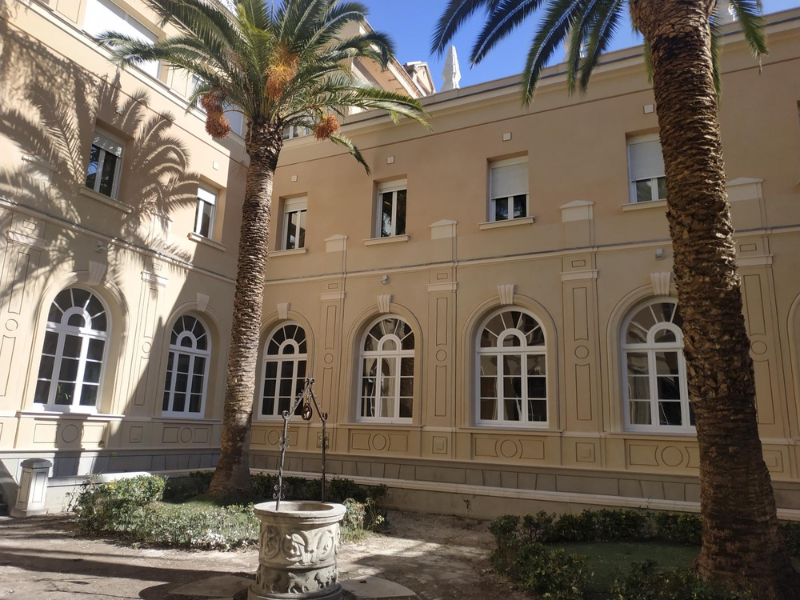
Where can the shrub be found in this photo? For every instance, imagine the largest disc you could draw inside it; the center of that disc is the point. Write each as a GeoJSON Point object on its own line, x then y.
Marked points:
{"type": "Point", "coordinates": [180, 489]}
{"type": "Point", "coordinates": [586, 526]}
{"type": "Point", "coordinates": [791, 535]}
{"type": "Point", "coordinates": [646, 582]}
{"type": "Point", "coordinates": [684, 528]}
{"type": "Point", "coordinates": [122, 502]}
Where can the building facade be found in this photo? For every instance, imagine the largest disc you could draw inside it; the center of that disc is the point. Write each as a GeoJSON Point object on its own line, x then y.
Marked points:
{"type": "Point", "coordinates": [489, 315]}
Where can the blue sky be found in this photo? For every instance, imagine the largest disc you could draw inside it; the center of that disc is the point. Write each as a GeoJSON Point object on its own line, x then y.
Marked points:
{"type": "Point", "coordinates": [411, 23]}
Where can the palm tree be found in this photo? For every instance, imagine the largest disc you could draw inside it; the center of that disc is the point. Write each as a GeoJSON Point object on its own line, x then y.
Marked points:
{"type": "Point", "coordinates": [741, 540]}
{"type": "Point", "coordinates": [281, 65]}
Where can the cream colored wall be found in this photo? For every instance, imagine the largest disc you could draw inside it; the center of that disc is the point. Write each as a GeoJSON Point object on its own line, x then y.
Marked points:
{"type": "Point", "coordinates": [584, 263]}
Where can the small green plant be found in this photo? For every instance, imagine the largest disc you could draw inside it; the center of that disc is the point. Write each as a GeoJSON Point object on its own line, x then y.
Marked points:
{"type": "Point", "coordinates": [680, 528]}
{"type": "Point", "coordinates": [646, 582]}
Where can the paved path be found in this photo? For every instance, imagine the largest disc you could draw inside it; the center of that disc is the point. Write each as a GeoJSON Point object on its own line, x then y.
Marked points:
{"type": "Point", "coordinates": [440, 558]}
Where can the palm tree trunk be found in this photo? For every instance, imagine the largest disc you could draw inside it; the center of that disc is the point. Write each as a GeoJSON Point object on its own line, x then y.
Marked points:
{"type": "Point", "coordinates": [742, 545]}
{"type": "Point", "coordinates": [233, 469]}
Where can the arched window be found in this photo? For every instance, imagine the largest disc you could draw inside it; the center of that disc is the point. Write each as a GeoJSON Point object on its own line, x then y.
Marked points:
{"type": "Point", "coordinates": [512, 379]}
{"type": "Point", "coordinates": [656, 395]}
{"type": "Point", "coordinates": [187, 369]}
{"type": "Point", "coordinates": [285, 360]}
{"type": "Point", "coordinates": [71, 369]}
{"type": "Point", "coordinates": [387, 371]}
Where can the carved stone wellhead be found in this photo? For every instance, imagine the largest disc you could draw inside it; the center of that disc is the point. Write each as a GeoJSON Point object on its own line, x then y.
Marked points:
{"type": "Point", "coordinates": [297, 551]}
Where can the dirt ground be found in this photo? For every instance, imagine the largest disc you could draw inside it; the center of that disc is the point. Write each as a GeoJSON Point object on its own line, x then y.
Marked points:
{"type": "Point", "coordinates": [44, 558]}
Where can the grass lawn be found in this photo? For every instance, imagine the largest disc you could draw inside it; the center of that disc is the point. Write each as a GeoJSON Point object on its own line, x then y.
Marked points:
{"type": "Point", "coordinates": [607, 560]}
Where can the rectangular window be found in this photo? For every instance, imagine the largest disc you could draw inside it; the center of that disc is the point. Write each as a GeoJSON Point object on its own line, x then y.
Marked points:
{"type": "Point", "coordinates": [391, 209]}
{"type": "Point", "coordinates": [295, 131]}
{"type": "Point", "coordinates": [234, 116]}
{"type": "Point", "coordinates": [508, 189]}
{"type": "Point", "coordinates": [646, 166]}
{"type": "Point", "coordinates": [105, 164]}
{"type": "Point", "coordinates": [204, 217]}
{"type": "Point", "coordinates": [103, 15]}
{"type": "Point", "coordinates": [294, 223]}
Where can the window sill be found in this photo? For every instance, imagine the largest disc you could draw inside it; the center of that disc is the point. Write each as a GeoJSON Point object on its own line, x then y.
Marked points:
{"type": "Point", "coordinates": [644, 205]}
{"type": "Point", "coordinates": [386, 240]}
{"type": "Point", "coordinates": [289, 252]}
{"type": "Point", "coordinates": [508, 223]}
{"type": "Point", "coordinates": [106, 200]}
{"type": "Point", "coordinates": [204, 240]}
{"type": "Point", "coordinates": [58, 413]}
{"type": "Point", "coordinates": [368, 423]}
{"type": "Point", "coordinates": [653, 434]}
{"type": "Point", "coordinates": [170, 416]}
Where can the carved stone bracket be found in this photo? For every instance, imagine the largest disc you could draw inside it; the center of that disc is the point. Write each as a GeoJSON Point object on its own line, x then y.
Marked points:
{"type": "Point", "coordinates": [384, 302]}
{"type": "Point", "coordinates": [202, 302]}
{"type": "Point", "coordinates": [97, 272]}
{"type": "Point", "coordinates": [661, 282]}
{"type": "Point", "coordinates": [283, 310]}
{"type": "Point", "coordinates": [506, 293]}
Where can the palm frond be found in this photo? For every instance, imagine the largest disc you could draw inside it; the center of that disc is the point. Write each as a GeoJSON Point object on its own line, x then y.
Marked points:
{"type": "Point", "coordinates": [603, 27]}
{"type": "Point", "coordinates": [453, 17]}
{"type": "Point", "coordinates": [505, 17]}
{"type": "Point", "coordinates": [749, 15]}
{"type": "Point", "coordinates": [346, 143]}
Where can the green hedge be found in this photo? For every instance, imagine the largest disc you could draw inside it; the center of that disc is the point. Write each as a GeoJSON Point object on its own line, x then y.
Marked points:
{"type": "Point", "coordinates": [154, 510]}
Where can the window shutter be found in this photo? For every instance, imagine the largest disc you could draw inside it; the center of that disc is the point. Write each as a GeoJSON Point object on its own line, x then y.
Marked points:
{"type": "Point", "coordinates": [107, 144]}
{"type": "Point", "coordinates": [646, 160]}
{"type": "Point", "coordinates": [509, 179]}
{"type": "Point", "coordinates": [206, 196]}
{"type": "Point", "coordinates": [295, 204]}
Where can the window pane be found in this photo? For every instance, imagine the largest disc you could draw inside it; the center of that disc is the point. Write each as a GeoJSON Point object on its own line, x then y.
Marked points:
{"type": "Point", "coordinates": [637, 363]}
{"type": "Point", "coordinates": [512, 387]}
{"type": "Point", "coordinates": [183, 363]}
{"type": "Point", "coordinates": [691, 415]}
{"type": "Point", "coordinates": [488, 365]}
{"type": "Point", "coordinates": [203, 218]}
{"type": "Point", "coordinates": [387, 387]}
{"type": "Point", "coordinates": [639, 388]}
{"type": "Point", "coordinates": [664, 336]}
{"type": "Point", "coordinates": [42, 392]}
{"type": "Point", "coordinates": [108, 174]}
{"type": "Point", "coordinates": [50, 343]}
{"type": "Point", "coordinates": [76, 320]}
{"type": "Point", "coordinates": [301, 230]}
{"type": "Point", "coordinates": [271, 369]}
{"type": "Point", "coordinates": [181, 382]}
{"type": "Point", "coordinates": [268, 406]}
{"type": "Point", "coordinates": [488, 409]}
{"type": "Point", "coordinates": [405, 408]}
{"type": "Point", "coordinates": [284, 404]}
{"type": "Point", "coordinates": [389, 345]}
{"type": "Point", "coordinates": [180, 402]}
{"type": "Point", "coordinates": [368, 406]}
{"type": "Point", "coordinates": [195, 401]}
{"type": "Point", "coordinates": [64, 393]}
{"type": "Point", "coordinates": [99, 323]}
{"type": "Point", "coordinates": [662, 188]}
{"type": "Point", "coordinates": [72, 346]}
{"type": "Point", "coordinates": [387, 407]}
{"type": "Point", "coordinates": [512, 409]}
{"type": "Point", "coordinates": [80, 297]}
{"type": "Point", "coordinates": [91, 372]}
{"type": "Point", "coordinates": [46, 367]}
{"type": "Point", "coordinates": [501, 209]}
{"type": "Point", "coordinates": [269, 387]}
{"type": "Point", "coordinates": [644, 191]}
{"type": "Point", "coordinates": [640, 413]}
{"type": "Point", "coordinates": [520, 208]}
{"type": "Point", "coordinates": [537, 411]}
{"type": "Point", "coordinates": [512, 365]}
{"type": "Point", "coordinates": [388, 367]}
{"type": "Point", "coordinates": [287, 369]}
{"type": "Point", "coordinates": [406, 387]}
{"type": "Point", "coordinates": [669, 413]}
{"type": "Point", "coordinates": [197, 384]}
{"type": "Point", "coordinates": [88, 395]}
{"type": "Point", "coordinates": [537, 387]}
{"type": "Point", "coordinates": [669, 388]}
{"type": "Point", "coordinates": [667, 363]}
{"type": "Point", "coordinates": [407, 366]}
{"type": "Point", "coordinates": [400, 229]}
{"type": "Point", "coordinates": [69, 369]}
{"type": "Point", "coordinates": [91, 172]}
{"type": "Point", "coordinates": [536, 365]}
{"type": "Point", "coordinates": [488, 387]}
{"type": "Point", "coordinates": [285, 388]}
{"type": "Point", "coordinates": [292, 219]}
{"type": "Point", "coordinates": [165, 401]}
{"type": "Point", "coordinates": [386, 214]}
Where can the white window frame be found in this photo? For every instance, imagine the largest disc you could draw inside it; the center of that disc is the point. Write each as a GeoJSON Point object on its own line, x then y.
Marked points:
{"type": "Point", "coordinates": [282, 358]}
{"type": "Point", "coordinates": [500, 351]}
{"type": "Point", "coordinates": [193, 352]}
{"type": "Point", "coordinates": [142, 29]}
{"type": "Point", "coordinates": [205, 195]}
{"type": "Point", "coordinates": [508, 199]}
{"type": "Point", "coordinates": [107, 143]}
{"type": "Point", "coordinates": [634, 197]}
{"type": "Point", "coordinates": [294, 205]}
{"type": "Point", "coordinates": [85, 334]}
{"type": "Point", "coordinates": [291, 132]}
{"type": "Point", "coordinates": [650, 348]}
{"type": "Point", "coordinates": [379, 355]}
{"type": "Point", "coordinates": [383, 188]}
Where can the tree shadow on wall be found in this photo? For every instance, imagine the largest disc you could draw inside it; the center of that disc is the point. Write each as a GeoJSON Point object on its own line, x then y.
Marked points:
{"type": "Point", "coordinates": [50, 111]}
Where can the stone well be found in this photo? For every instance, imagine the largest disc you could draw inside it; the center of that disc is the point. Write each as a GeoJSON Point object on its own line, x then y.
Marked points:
{"type": "Point", "coordinates": [297, 551]}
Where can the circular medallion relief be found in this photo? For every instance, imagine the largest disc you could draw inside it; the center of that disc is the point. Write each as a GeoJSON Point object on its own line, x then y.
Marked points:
{"type": "Point", "coordinates": [758, 347]}
{"type": "Point", "coordinates": [509, 449]}
{"type": "Point", "coordinates": [672, 456]}
{"type": "Point", "coordinates": [186, 435]}
{"type": "Point", "coordinates": [328, 358]}
{"type": "Point", "coordinates": [11, 325]}
{"type": "Point", "coordinates": [441, 355]}
{"type": "Point", "coordinates": [273, 437]}
{"type": "Point", "coordinates": [379, 442]}
{"type": "Point", "coordinates": [581, 352]}
{"type": "Point", "coordinates": [146, 347]}
{"type": "Point", "coordinates": [69, 434]}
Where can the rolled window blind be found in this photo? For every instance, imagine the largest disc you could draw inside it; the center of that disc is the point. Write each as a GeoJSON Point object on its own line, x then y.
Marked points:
{"type": "Point", "coordinates": [206, 196]}
{"type": "Point", "coordinates": [646, 160]}
{"type": "Point", "coordinates": [509, 180]}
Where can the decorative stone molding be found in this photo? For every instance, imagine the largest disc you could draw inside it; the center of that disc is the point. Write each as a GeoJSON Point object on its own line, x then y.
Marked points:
{"type": "Point", "coordinates": [153, 278]}
{"type": "Point", "coordinates": [384, 302]}
{"type": "Point", "coordinates": [25, 240]}
{"type": "Point", "coordinates": [97, 272]}
{"type": "Point", "coordinates": [202, 302]}
{"type": "Point", "coordinates": [576, 275]}
{"type": "Point", "coordinates": [445, 228]}
{"type": "Point", "coordinates": [283, 310]}
{"type": "Point", "coordinates": [579, 210]}
{"type": "Point", "coordinates": [336, 243]}
{"type": "Point", "coordinates": [331, 296]}
{"type": "Point", "coordinates": [506, 293]}
{"type": "Point", "coordinates": [443, 287]}
{"type": "Point", "coordinates": [744, 188]}
{"type": "Point", "coordinates": [661, 283]}
{"type": "Point", "coordinates": [297, 551]}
